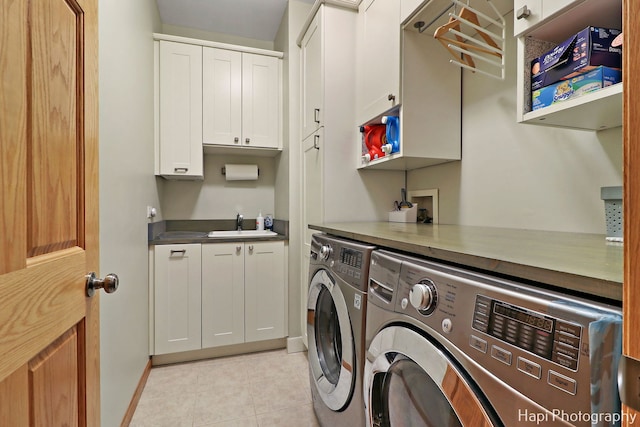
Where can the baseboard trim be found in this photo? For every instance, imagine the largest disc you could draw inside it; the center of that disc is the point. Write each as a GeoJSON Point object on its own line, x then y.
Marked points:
{"type": "Point", "coordinates": [128, 416]}
{"type": "Point", "coordinates": [295, 345]}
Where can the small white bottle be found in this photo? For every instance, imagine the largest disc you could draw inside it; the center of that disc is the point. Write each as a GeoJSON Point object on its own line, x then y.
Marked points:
{"type": "Point", "coordinates": [260, 222]}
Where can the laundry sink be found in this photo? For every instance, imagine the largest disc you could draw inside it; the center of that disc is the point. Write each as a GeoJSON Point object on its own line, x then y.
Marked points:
{"type": "Point", "coordinates": [241, 233]}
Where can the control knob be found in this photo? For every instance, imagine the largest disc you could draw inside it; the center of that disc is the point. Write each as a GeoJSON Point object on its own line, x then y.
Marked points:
{"type": "Point", "coordinates": [424, 297]}
{"type": "Point", "coordinates": [325, 252]}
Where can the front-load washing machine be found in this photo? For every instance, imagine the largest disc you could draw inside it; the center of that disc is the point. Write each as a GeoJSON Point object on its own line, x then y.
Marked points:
{"type": "Point", "coordinates": [451, 347]}
{"type": "Point", "coordinates": [336, 310]}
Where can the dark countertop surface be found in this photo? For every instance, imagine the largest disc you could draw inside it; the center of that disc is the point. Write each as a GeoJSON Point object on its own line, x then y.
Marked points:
{"type": "Point", "coordinates": [180, 232]}
{"type": "Point", "coordinates": [584, 264]}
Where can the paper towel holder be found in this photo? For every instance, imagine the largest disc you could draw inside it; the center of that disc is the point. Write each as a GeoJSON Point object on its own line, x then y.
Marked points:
{"type": "Point", "coordinates": [224, 171]}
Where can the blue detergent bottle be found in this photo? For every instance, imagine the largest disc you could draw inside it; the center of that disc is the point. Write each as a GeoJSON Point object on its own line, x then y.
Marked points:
{"type": "Point", "coordinates": [393, 134]}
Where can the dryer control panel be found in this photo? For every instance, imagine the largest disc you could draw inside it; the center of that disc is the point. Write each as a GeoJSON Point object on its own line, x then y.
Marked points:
{"type": "Point", "coordinates": [540, 334]}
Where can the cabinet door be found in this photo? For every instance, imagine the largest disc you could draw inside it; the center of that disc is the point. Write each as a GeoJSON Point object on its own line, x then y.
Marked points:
{"type": "Point", "coordinates": [261, 101]}
{"type": "Point", "coordinates": [312, 191]}
{"type": "Point", "coordinates": [265, 297]}
{"type": "Point", "coordinates": [407, 7]}
{"type": "Point", "coordinates": [180, 141]}
{"type": "Point", "coordinates": [222, 294]}
{"type": "Point", "coordinates": [177, 309]}
{"type": "Point", "coordinates": [222, 96]}
{"type": "Point", "coordinates": [549, 7]}
{"type": "Point", "coordinates": [312, 76]}
{"type": "Point", "coordinates": [379, 57]}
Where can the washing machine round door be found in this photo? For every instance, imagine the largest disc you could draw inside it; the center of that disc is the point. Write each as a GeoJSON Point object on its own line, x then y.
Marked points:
{"type": "Point", "coordinates": [410, 382]}
{"type": "Point", "coordinates": [331, 347]}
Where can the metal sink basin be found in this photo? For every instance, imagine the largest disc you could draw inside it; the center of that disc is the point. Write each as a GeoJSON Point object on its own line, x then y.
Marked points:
{"type": "Point", "coordinates": [241, 233]}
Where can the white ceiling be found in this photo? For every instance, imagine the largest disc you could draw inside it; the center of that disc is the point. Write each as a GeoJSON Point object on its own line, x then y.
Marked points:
{"type": "Point", "coordinates": [255, 19]}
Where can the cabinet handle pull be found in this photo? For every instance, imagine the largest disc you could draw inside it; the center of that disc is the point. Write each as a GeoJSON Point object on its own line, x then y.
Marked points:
{"type": "Point", "coordinates": [248, 140]}
{"type": "Point", "coordinates": [180, 170]}
{"type": "Point", "coordinates": [251, 248]}
{"type": "Point", "coordinates": [523, 12]}
{"type": "Point", "coordinates": [178, 251]}
{"type": "Point", "coordinates": [236, 139]}
{"type": "Point", "coordinates": [391, 97]}
{"type": "Point", "coordinates": [316, 115]}
{"type": "Point", "coordinates": [316, 141]}
{"type": "Point", "coordinates": [238, 248]}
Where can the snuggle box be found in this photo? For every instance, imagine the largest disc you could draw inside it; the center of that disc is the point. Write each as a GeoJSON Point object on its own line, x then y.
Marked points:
{"type": "Point", "coordinates": [591, 47]}
{"type": "Point", "coordinates": [574, 87]}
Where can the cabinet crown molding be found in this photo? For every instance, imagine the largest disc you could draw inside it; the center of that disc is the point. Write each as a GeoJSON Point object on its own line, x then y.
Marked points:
{"type": "Point", "coordinates": [227, 46]}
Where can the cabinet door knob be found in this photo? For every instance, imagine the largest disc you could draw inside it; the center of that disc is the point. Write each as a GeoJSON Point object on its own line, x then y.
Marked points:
{"type": "Point", "coordinates": [236, 139]}
{"type": "Point", "coordinates": [109, 283]}
{"type": "Point", "coordinates": [238, 248]}
{"type": "Point", "coordinates": [251, 248]}
{"type": "Point", "coordinates": [391, 97]}
{"type": "Point", "coordinates": [248, 140]}
{"type": "Point", "coordinates": [523, 12]}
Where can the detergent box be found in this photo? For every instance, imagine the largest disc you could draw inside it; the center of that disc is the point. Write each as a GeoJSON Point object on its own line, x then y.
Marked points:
{"type": "Point", "coordinates": [575, 86]}
{"type": "Point", "coordinates": [586, 50]}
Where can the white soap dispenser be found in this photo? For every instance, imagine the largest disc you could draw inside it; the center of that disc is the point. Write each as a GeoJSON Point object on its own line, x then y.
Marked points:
{"type": "Point", "coordinates": [260, 222]}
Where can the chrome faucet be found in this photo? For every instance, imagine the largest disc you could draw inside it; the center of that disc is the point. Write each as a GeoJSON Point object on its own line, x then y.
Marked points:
{"type": "Point", "coordinates": [239, 219]}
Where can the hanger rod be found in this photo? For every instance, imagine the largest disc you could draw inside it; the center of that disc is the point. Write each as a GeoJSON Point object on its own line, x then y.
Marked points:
{"type": "Point", "coordinates": [423, 28]}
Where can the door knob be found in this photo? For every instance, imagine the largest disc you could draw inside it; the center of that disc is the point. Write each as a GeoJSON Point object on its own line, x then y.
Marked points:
{"type": "Point", "coordinates": [109, 283]}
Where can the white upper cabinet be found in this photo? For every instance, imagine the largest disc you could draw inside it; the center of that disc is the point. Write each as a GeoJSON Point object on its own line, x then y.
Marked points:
{"type": "Point", "coordinates": [179, 104]}
{"type": "Point", "coordinates": [311, 54]}
{"type": "Point", "coordinates": [529, 13]}
{"type": "Point", "coordinates": [430, 109]}
{"type": "Point", "coordinates": [222, 103]}
{"type": "Point", "coordinates": [213, 97]}
{"type": "Point", "coordinates": [543, 25]}
{"type": "Point", "coordinates": [378, 58]}
{"type": "Point", "coordinates": [241, 99]}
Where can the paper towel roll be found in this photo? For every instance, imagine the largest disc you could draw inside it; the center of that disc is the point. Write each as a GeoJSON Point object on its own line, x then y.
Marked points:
{"type": "Point", "coordinates": [241, 172]}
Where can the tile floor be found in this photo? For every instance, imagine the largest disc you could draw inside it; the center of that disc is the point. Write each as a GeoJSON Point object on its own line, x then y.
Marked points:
{"type": "Point", "coordinates": [260, 389]}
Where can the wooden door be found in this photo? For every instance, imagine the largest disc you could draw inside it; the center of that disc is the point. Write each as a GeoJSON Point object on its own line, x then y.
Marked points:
{"type": "Point", "coordinates": [631, 165]}
{"type": "Point", "coordinates": [49, 329]}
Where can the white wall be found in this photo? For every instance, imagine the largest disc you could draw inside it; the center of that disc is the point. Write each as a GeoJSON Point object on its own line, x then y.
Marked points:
{"type": "Point", "coordinates": [193, 33]}
{"type": "Point", "coordinates": [216, 198]}
{"type": "Point", "coordinates": [127, 186]}
{"type": "Point", "coordinates": [517, 175]}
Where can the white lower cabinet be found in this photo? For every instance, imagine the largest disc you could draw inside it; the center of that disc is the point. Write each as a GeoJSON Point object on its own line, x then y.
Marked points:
{"type": "Point", "coordinates": [218, 294]}
{"type": "Point", "coordinates": [222, 294]}
{"type": "Point", "coordinates": [176, 297]}
{"type": "Point", "coordinates": [264, 287]}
